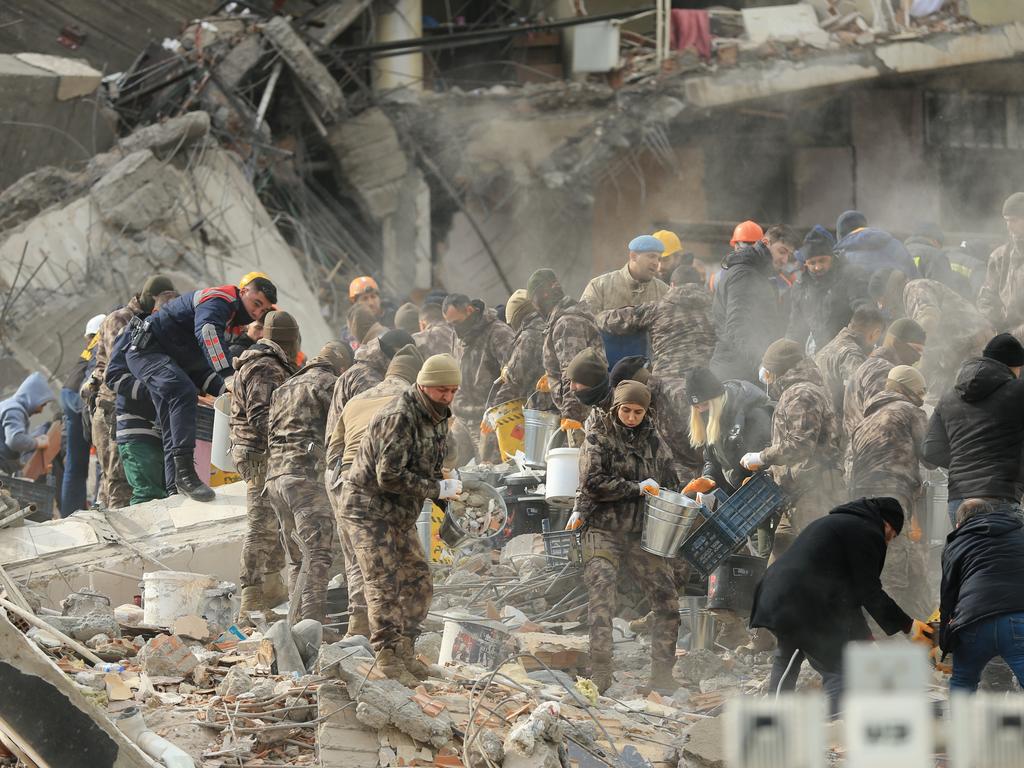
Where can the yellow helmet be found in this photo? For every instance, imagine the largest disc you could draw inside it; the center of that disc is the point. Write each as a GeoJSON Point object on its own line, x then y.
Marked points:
{"type": "Point", "coordinates": [250, 277]}
{"type": "Point", "coordinates": [670, 240]}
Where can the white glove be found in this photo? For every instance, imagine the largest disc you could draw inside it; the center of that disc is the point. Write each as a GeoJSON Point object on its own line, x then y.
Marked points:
{"type": "Point", "coordinates": [651, 486]}
{"type": "Point", "coordinates": [751, 461]}
{"type": "Point", "coordinates": [449, 489]}
{"type": "Point", "coordinates": [708, 500]}
{"type": "Point", "coordinates": [575, 521]}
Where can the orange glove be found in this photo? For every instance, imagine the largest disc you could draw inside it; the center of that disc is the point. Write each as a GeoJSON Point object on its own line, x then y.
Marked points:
{"type": "Point", "coordinates": [575, 521]}
{"type": "Point", "coordinates": [485, 427]}
{"type": "Point", "coordinates": [700, 485]}
{"type": "Point", "coordinates": [570, 424]}
{"type": "Point", "coordinates": [922, 633]}
{"type": "Point", "coordinates": [542, 384]}
{"type": "Point", "coordinates": [915, 530]}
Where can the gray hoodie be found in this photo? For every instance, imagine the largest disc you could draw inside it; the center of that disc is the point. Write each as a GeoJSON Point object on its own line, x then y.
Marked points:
{"type": "Point", "coordinates": [15, 411]}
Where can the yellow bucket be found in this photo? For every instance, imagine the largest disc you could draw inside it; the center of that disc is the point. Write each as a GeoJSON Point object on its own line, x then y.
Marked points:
{"type": "Point", "coordinates": [507, 422]}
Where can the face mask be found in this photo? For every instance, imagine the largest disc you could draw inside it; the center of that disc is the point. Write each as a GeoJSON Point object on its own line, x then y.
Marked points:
{"type": "Point", "coordinates": [593, 395]}
{"type": "Point", "coordinates": [762, 375]}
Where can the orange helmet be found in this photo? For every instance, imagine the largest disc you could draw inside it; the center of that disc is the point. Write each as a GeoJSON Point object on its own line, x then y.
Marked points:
{"type": "Point", "coordinates": [746, 232]}
{"type": "Point", "coordinates": [361, 285]}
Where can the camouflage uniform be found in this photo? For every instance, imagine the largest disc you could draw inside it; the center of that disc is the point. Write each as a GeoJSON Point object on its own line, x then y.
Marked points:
{"type": "Point", "coordinates": [618, 288]}
{"type": "Point", "coordinates": [437, 339]}
{"type": "Point", "coordinates": [115, 490]}
{"type": "Point", "coordinates": [682, 334]}
{"type": "Point", "coordinates": [805, 452]}
{"type": "Point", "coordinates": [866, 382]}
{"type": "Point", "coordinates": [260, 370]}
{"type": "Point", "coordinates": [837, 361]}
{"type": "Point", "coordinates": [482, 350]}
{"type": "Point", "coordinates": [295, 477]}
{"type": "Point", "coordinates": [395, 469]}
{"type": "Point", "coordinates": [1001, 298]}
{"type": "Point", "coordinates": [671, 409]}
{"type": "Point", "coordinates": [886, 453]}
{"type": "Point", "coordinates": [368, 370]}
{"type": "Point", "coordinates": [525, 363]}
{"type": "Point", "coordinates": [613, 461]}
{"type": "Point", "coordinates": [571, 329]}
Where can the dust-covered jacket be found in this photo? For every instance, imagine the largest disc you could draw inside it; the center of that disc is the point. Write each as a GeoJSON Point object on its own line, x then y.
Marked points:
{"type": "Point", "coordinates": [436, 339]}
{"type": "Point", "coordinates": [571, 329]}
{"type": "Point", "coordinates": [482, 352]}
{"type": "Point", "coordinates": [886, 449]}
{"type": "Point", "coordinates": [110, 329]}
{"type": "Point", "coordinates": [619, 289]}
{"type": "Point", "coordinates": [837, 361]}
{"type": "Point", "coordinates": [298, 421]}
{"type": "Point", "coordinates": [525, 363]}
{"type": "Point", "coordinates": [1001, 298]}
{"type": "Point", "coordinates": [363, 374]}
{"type": "Point", "coordinates": [864, 383]}
{"type": "Point", "coordinates": [259, 371]}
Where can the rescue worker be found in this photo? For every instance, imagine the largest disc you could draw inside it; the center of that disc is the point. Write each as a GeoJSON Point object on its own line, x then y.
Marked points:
{"type": "Point", "coordinates": [745, 310]}
{"type": "Point", "coordinates": [182, 351]}
{"type": "Point", "coordinates": [804, 453]}
{"type": "Point", "coordinates": [681, 331]}
{"type": "Point", "coordinates": [363, 325]}
{"type": "Point", "coordinates": [31, 398]}
{"type": "Point", "coordinates": [259, 372]}
{"type": "Point", "coordinates": [525, 359]}
{"type": "Point", "coordinates": [903, 344]}
{"type": "Point", "coordinates": [838, 359]}
{"type": "Point", "coordinates": [622, 456]}
{"type": "Point", "coordinates": [342, 445]}
{"type": "Point", "coordinates": [253, 333]}
{"type": "Point", "coordinates": [589, 381]}
{"type": "Point", "coordinates": [571, 328]}
{"type": "Point", "coordinates": [826, 294]}
{"type": "Point", "coordinates": [114, 491]}
{"type": "Point", "coordinates": [295, 473]}
{"type": "Point", "coordinates": [364, 291]}
{"type": "Point", "coordinates": [745, 234]}
{"type": "Point", "coordinates": [886, 452]}
{"type": "Point", "coordinates": [1001, 297]}
{"type": "Point", "coordinates": [76, 440]}
{"type": "Point", "coordinates": [812, 597]}
{"type": "Point", "coordinates": [783, 243]}
{"type": "Point", "coordinates": [977, 428]}
{"type": "Point", "coordinates": [407, 318]}
{"type": "Point", "coordinates": [435, 336]}
{"type": "Point", "coordinates": [925, 247]}
{"type": "Point", "coordinates": [870, 249]}
{"type": "Point", "coordinates": [368, 370]}
{"type": "Point", "coordinates": [397, 466]}
{"type": "Point", "coordinates": [673, 256]}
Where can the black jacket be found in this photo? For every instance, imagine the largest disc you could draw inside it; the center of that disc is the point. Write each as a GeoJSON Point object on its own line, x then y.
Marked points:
{"type": "Point", "coordinates": [982, 573]}
{"type": "Point", "coordinates": [977, 431]}
{"type": "Point", "coordinates": [934, 264]}
{"type": "Point", "coordinates": [746, 425]}
{"type": "Point", "coordinates": [745, 312]}
{"type": "Point", "coordinates": [814, 593]}
{"type": "Point", "coordinates": [822, 306]}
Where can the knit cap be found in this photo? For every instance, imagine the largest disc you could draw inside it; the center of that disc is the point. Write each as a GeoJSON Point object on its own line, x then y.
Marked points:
{"type": "Point", "coordinates": [907, 330]}
{"type": "Point", "coordinates": [849, 221]}
{"type": "Point", "coordinates": [782, 355]}
{"type": "Point", "coordinates": [1005, 348]}
{"type": "Point", "coordinates": [407, 318]}
{"type": "Point", "coordinates": [540, 280]}
{"type": "Point", "coordinates": [909, 378]}
{"type": "Point", "coordinates": [1014, 205]}
{"type": "Point", "coordinates": [517, 308]}
{"type": "Point", "coordinates": [632, 367]}
{"type": "Point", "coordinates": [361, 323]}
{"type": "Point", "coordinates": [392, 341]}
{"type": "Point", "coordinates": [439, 371]}
{"type": "Point", "coordinates": [338, 354]}
{"type": "Point", "coordinates": [702, 385]}
{"type": "Point", "coordinates": [587, 368]}
{"type": "Point", "coordinates": [406, 363]}
{"type": "Point", "coordinates": [633, 393]}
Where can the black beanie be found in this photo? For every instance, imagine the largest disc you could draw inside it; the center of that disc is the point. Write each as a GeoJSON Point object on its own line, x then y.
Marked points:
{"type": "Point", "coordinates": [817, 242]}
{"type": "Point", "coordinates": [629, 368]}
{"type": "Point", "coordinates": [1005, 348]}
{"type": "Point", "coordinates": [587, 368]}
{"type": "Point", "coordinates": [891, 512]}
{"type": "Point", "coordinates": [849, 221]}
{"type": "Point", "coordinates": [392, 341]}
{"type": "Point", "coordinates": [702, 385]}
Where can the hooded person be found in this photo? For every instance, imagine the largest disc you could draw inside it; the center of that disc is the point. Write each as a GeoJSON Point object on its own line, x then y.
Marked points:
{"type": "Point", "coordinates": [588, 379]}
{"type": "Point", "coordinates": [32, 396]}
{"type": "Point", "coordinates": [870, 248]}
{"type": "Point", "coordinates": [977, 428]}
{"type": "Point", "coordinates": [623, 458]}
{"type": "Point", "coordinates": [1001, 296]}
{"type": "Point", "coordinates": [525, 362]}
{"type": "Point", "coordinates": [813, 596]}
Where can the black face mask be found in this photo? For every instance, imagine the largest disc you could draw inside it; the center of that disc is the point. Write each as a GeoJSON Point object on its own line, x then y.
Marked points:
{"type": "Point", "coordinates": [464, 327]}
{"type": "Point", "coordinates": [593, 395]}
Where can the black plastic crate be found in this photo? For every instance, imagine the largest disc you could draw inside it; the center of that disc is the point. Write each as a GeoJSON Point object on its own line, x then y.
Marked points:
{"type": "Point", "coordinates": [563, 548]}
{"type": "Point", "coordinates": [28, 492]}
{"type": "Point", "coordinates": [204, 423]}
{"type": "Point", "coordinates": [708, 547]}
{"type": "Point", "coordinates": [750, 506]}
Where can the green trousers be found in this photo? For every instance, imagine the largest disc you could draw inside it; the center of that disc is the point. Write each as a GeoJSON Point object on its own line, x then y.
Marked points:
{"type": "Point", "coordinates": [143, 464]}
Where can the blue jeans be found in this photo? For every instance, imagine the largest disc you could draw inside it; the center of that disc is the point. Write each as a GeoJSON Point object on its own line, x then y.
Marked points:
{"type": "Point", "coordinates": [999, 505]}
{"type": "Point", "coordinates": [977, 644]}
{"type": "Point", "coordinates": [76, 455]}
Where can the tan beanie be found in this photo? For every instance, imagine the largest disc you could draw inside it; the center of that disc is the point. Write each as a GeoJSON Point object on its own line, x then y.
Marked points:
{"type": "Point", "coordinates": [361, 322]}
{"type": "Point", "coordinates": [782, 355]}
{"type": "Point", "coordinates": [407, 318]}
{"type": "Point", "coordinates": [517, 308]}
{"type": "Point", "coordinates": [406, 363]}
{"type": "Point", "coordinates": [439, 371]}
{"type": "Point", "coordinates": [632, 392]}
{"type": "Point", "coordinates": [908, 378]}
{"type": "Point", "coordinates": [338, 354]}
{"type": "Point", "coordinates": [280, 327]}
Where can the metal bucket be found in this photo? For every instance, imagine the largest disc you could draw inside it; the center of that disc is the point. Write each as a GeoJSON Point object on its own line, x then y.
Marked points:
{"type": "Point", "coordinates": [668, 519]}
{"type": "Point", "coordinates": [694, 615]}
{"type": "Point", "coordinates": [539, 428]}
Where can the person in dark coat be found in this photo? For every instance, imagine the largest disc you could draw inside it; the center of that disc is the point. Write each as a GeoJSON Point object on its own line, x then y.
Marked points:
{"type": "Point", "coordinates": [826, 294]}
{"type": "Point", "coordinates": [977, 429]}
{"type": "Point", "coordinates": [927, 248]}
{"type": "Point", "coordinates": [745, 312]}
{"type": "Point", "coordinates": [981, 606]}
{"type": "Point", "coordinates": [811, 597]}
{"type": "Point", "coordinates": [870, 248]}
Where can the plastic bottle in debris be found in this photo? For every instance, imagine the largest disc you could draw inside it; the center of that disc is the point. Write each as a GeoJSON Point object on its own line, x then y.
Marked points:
{"type": "Point", "coordinates": [109, 666]}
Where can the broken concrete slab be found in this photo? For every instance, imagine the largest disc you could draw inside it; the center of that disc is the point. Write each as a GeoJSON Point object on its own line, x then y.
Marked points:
{"type": "Point", "coordinates": [167, 656]}
{"type": "Point", "coordinates": [235, 682]}
{"type": "Point", "coordinates": [75, 77]}
{"type": "Point", "coordinates": [705, 747]}
{"type": "Point", "coordinates": [992, 12]}
{"type": "Point", "coordinates": [785, 22]}
{"type": "Point", "coordinates": [137, 192]}
{"type": "Point", "coordinates": [372, 159]}
{"type": "Point", "coordinates": [172, 134]}
{"type": "Point", "coordinates": [84, 628]}
{"type": "Point", "coordinates": [309, 72]}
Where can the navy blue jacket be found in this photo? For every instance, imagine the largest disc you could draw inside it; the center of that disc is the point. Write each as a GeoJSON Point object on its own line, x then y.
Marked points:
{"type": "Point", "coordinates": [871, 249]}
{"type": "Point", "coordinates": [136, 414]}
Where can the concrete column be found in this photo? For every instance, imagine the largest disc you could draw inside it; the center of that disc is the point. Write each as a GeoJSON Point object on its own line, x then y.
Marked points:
{"type": "Point", "coordinates": [398, 20]}
{"type": "Point", "coordinates": [405, 237]}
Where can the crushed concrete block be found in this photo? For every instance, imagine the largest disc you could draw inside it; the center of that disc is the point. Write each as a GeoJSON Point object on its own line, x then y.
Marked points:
{"type": "Point", "coordinates": [97, 641]}
{"type": "Point", "coordinates": [555, 651]}
{"type": "Point", "coordinates": [719, 683]}
{"type": "Point", "coordinates": [542, 726]}
{"type": "Point", "coordinates": [172, 134]}
{"type": "Point", "coordinates": [428, 645]}
{"type": "Point", "coordinates": [84, 628]}
{"type": "Point", "coordinates": [167, 656]}
{"type": "Point", "coordinates": [235, 682]}
{"type": "Point", "coordinates": [705, 747]}
{"type": "Point", "coordinates": [137, 192]}
{"type": "Point", "coordinates": [350, 646]}
{"type": "Point", "coordinates": [699, 665]}
{"type": "Point", "coordinates": [545, 755]}
{"type": "Point", "coordinates": [286, 655]}
{"type": "Point", "coordinates": [75, 78]}
{"type": "Point", "coordinates": [308, 635]}
{"type": "Point", "coordinates": [487, 748]}
{"type": "Point", "coordinates": [308, 70]}
{"type": "Point", "coordinates": [129, 614]}
{"type": "Point", "coordinates": [299, 710]}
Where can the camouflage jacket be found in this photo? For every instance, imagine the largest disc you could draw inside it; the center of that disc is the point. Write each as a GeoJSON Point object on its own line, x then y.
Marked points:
{"type": "Point", "coordinates": [671, 407]}
{"type": "Point", "coordinates": [110, 329]}
{"type": "Point", "coordinates": [298, 421]}
{"type": "Point", "coordinates": [618, 289]}
{"type": "Point", "coordinates": [482, 350]}
{"type": "Point", "coordinates": [680, 326]}
{"type": "Point", "coordinates": [866, 382]}
{"type": "Point", "coordinates": [885, 449]}
{"type": "Point", "coordinates": [1001, 298]}
{"type": "Point", "coordinates": [805, 432]}
{"type": "Point", "coordinates": [399, 464]}
{"type": "Point", "coordinates": [259, 371]}
{"type": "Point", "coordinates": [837, 362]}
{"type": "Point", "coordinates": [363, 374]}
{"type": "Point", "coordinates": [437, 339]}
{"type": "Point", "coordinates": [949, 320]}
{"type": "Point", "coordinates": [614, 460]}
{"type": "Point", "coordinates": [525, 363]}
{"type": "Point", "coordinates": [571, 329]}
{"type": "Point", "coordinates": [348, 431]}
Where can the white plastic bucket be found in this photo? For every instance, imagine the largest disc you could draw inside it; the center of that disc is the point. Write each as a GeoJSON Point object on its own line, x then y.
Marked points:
{"type": "Point", "coordinates": [169, 595]}
{"type": "Point", "coordinates": [563, 476]}
{"type": "Point", "coordinates": [220, 451]}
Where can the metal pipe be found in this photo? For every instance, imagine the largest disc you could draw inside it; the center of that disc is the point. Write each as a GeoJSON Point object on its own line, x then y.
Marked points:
{"type": "Point", "coordinates": [16, 516]}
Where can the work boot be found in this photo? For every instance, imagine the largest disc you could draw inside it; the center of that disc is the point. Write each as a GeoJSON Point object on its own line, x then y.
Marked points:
{"type": "Point", "coordinates": [358, 623]}
{"type": "Point", "coordinates": [274, 590]}
{"type": "Point", "coordinates": [391, 666]}
{"type": "Point", "coordinates": [252, 602]}
{"type": "Point", "coordinates": [187, 481]}
{"type": "Point", "coordinates": [642, 626]}
{"type": "Point", "coordinates": [407, 651]}
{"type": "Point", "coordinates": [601, 674]}
{"type": "Point", "coordinates": [661, 680]}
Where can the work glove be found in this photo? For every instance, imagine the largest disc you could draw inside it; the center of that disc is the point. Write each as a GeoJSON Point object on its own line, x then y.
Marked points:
{"type": "Point", "coordinates": [485, 427]}
{"type": "Point", "coordinates": [751, 461]}
{"type": "Point", "coordinates": [542, 384]}
{"type": "Point", "coordinates": [575, 521]}
{"type": "Point", "coordinates": [570, 424]}
{"type": "Point", "coordinates": [708, 500]}
{"type": "Point", "coordinates": [651, 486]}
{"type": "Point", "coordinates": [43, 441]}
{"type": "Point", "coordinates": [922, 633]}
{"type": "Point", "coordinates": [935, 654]}
{"type": "Point", "coordinates": [700, 485]}
{"type": "Point", "coordinates": [916, 533]}
{"type": "Point", "coordinates": [449, 489]}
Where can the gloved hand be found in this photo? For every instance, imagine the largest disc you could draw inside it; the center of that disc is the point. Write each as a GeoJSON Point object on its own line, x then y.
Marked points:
{"type": "Point", "coordinates": [575, 521]}
{"type": "Point", "coordinates": [570, 424]}
{"type": "Point", "coordinates": [542, 384]}
{"type": "Point", "coordinates": [449, 489]}
{"type": "Point", "coordinates": [42, 441]}
{"type": "Point", "coordinates": [751, 461]}
{"type": "Point", "coordinates": [935, 654]}
{"type": "Point", "coordinates": [708, 500]}
{"type": "Point", "coordinates": [700, 485]}
{"type": "Point", "coordinates": [922, 633]}
{"type": "Point", "coordinates": [651, 486]}
{"type": "Point", "coordinates": [485, 427]}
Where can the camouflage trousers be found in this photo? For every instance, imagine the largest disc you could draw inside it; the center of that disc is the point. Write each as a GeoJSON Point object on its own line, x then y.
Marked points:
{"type": "Point", "coordinates": [397, 581]}
{"type": "Point", "coordinates": [302, 507]}
{"type": "Point", "coordinates": [115, 491]}
{"type": "Point", "coordinates": [807, 504]}
{"type": "Point", "coordinates": [262, 550]}
{"type": "Point", "coordinates": [353, 574]}
{"type": "Point", "coordinates": [604, 554]}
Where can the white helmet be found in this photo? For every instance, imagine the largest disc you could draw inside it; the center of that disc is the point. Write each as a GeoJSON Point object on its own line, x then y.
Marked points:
{"type": "Point", "coordinates": [93, 326]}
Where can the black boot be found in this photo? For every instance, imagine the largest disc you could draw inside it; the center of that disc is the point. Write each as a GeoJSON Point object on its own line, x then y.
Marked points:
{"type": "Point", "coordinates": [188, 481]}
